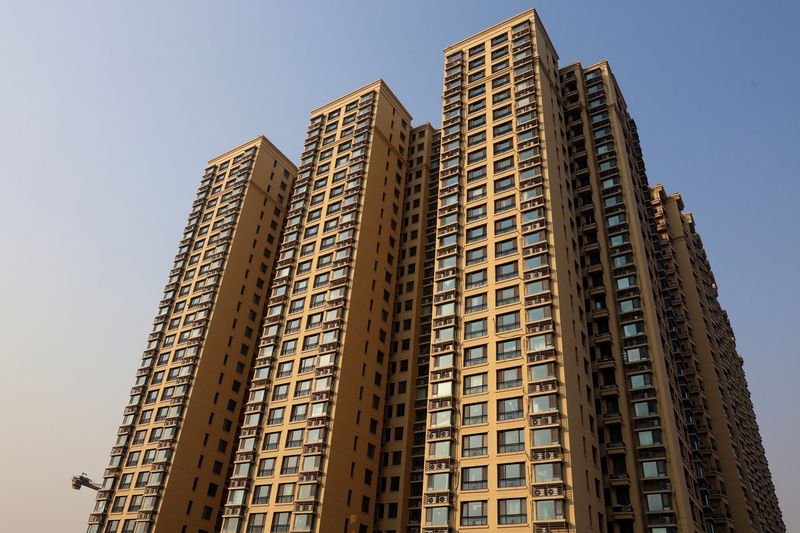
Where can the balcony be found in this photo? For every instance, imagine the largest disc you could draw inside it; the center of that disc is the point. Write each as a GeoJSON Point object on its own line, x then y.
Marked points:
{"type": "Point", "coordinates": [440, 403]}
{"type": "Point", "coordinates": [443, 374]}
{"type": "Point", "coordinates": [548, 490]}
{"type": "Point", "coordinates": [440, 433]}
{"type": "Point", "coordinates": [550, 385]}
{"type": "Point", "coordinates": [439, 464]}
{"type": "Point", "coordinates": [544, 419]}
{"type": "Point", "coordinates": [547, 454]}
{"type": "Point", "coordinates": [540, 327]}
{"type": "Point", "coordinates": [438, 498]}
{"type": "Point", "coordinates": [542, 355]}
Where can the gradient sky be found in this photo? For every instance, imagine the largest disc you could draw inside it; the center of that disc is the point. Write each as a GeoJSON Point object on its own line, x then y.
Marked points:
{"type": "Point", "coordinates": [109, 111]}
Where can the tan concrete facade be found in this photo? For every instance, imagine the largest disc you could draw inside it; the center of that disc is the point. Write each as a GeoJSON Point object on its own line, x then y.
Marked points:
{"type": "Point", "coordinates": [171, 460]}
{"type": "Point", "coordinates": [737, 491]}
{"type": "Point", "coordinates": [317, 399]}
{"type": "Point", "coordinates": [649, 481]}
{"type": "Point", "coordinates": [510, 394]}
{"type": "Point", "coordinates": [498, 325]}
{"type": "Point", "coordinates": [403, 442]}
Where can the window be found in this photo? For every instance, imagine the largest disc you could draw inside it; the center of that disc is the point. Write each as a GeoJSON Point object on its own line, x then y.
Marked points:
{"type": "Point", "coordinates": [474, 478]}
{"type": "Point", "coordinates": [540, 342]}
{"type": "Point", "coordinates": [476, 255]}
{"type": "Point", "coordinates": [661, 501]}
{"type": "Point", "coordinates": [475, 279]}
{"type": "Point", "coordinates": [512, 440]}
{"type": "Point", "coordinates": [505, 225]}
{"type": "Point", "coordinates": [476, 234]}
{"type": "Point", "coordinates": [285, 493]}
{"type": "Point", "coordinates": [476, 174]}
{"type": "Point", "coordinates": [542, 371]}
{"type": "Point", "coordinates": [289, 347]}
{"type": "Point", "coordinates": [475, 413]}
{"type": "Point", "coordinates": [294, 438]}
{"type": "Point", "coordinates": [654, 469]}
{"type": "Point", "coordinates": [549, 509]}
{"type": "Point", "coordinates": [509, 378]}
{"type": "Point", "coordinates": [476, 122]}
{"type": "Point", "coordinates": [271, 441]}
{"type": "Point", "coordinates": [310, 342]}
{"type": "Point", "coordinates": [511, 475]}
{"type": "Point", "coordinates": [509, 409]}
{"type": "Point", "coordinates": [609, 182]}
{"type": "Point", "coordinates": [299, 412]}
{"type": "Point", "coordinates": [302, 388]}
{"type": "Point", "coordinates": [529, 239]}
{"type": "Point", "coordinates": [256, 524]}
{"type": "Point", "coordinates": [647, 408]}
{"type": "Point", "coordinates": [626, 282]}
{"type": "Point", "coordinates": [506, 247]}
{"type": "Point", "coordinates": [506, 271]}
{"type": "Point", "coordinates": [280, 522]}
{"type": "Point", "coordinates": [275, 416]}
{"type": "Point", "coordinates": [633, 329]}
{"type": "Point", "coordinates": [473, 513]}
{"type": "Point", "coordinates": [622, 260]}
{"type": "Point", "coordinates": [290, 464]}
{"type": "Point", "coordinates": [651, 437]}
{"type": "Point", "coordinates": [619, 239]}
{"type": "Point", "coordinates": [546, 403]}
{"type": "Point", "coordinates": [547, 472]}
{"type": "Point", "coordinates": [501, 81]}
{"type": "Point", "coordinates": [512, 511]}
{"type": "Point", "coordinates": [475, 355]}
{"type": "Point", "coordinates": [261, 494]}
{"type": "Point", "coordinates": [473, 108]}
{"type": "Point", "coordinates": [477, 155]}
{"type": "Point", "coordinates": [475, 303]}
{"type": "Point", "coordinates": [473, 445]}
{"type": "Point", "coordinates": [502, 129]}
{"type": "Point", "coordinates": [503, 164]}
{"type": "Point", "coordinates": [608, 165]}
{"type": "Point", "coordinates": [437, 516]}
{"type": "Point", "coordinates": [536, 314]}
{"type": "Point", "coordinates": [475, 328]}
{"type": "Point", "coordinates": [503, 204]}
{"type": "Point", "coordinates": [501, 112]}
{"type": "Point", "coordinates": [476, 193]}
{"type": "Point", "coordinates": [641, 381]}
{"type": "Point", "coordinates": [296, 305]}
{"type": "Point", "coordinates": [509, 349]}
{"type": "Point", "coordinates": [438, 482]}
{"type": "Point", "coordinates": [476, 213]}
{"type": "Point", "coordinates": [545, 437]}
{"type": "Point", "coordinates": [631, 355]}
{"type": "Point", "coordinates": [439, 449]}
{"type": "Point", "coordinates": [507, 322]}
{"type": "Point", "coordinates": [266, 467]}
{"type": "Point", "coordinates": [292, 326]}
{"type": "Point", "coordinates": [475, 384]}
{"type": "Point", "coordinates": [503, 146]}
{"type": "Point", "coordinates": [502, 96]}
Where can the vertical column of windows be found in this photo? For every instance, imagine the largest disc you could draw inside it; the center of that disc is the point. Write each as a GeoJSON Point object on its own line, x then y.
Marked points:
{"type": "Point", "coordinates": [545, 395]}
{"type": "Point", "coordinates": [438, 493]}
{"type": "Point", "coordinates": [163, 381]}
{"type": "Point", "coordinates": [249, 463]}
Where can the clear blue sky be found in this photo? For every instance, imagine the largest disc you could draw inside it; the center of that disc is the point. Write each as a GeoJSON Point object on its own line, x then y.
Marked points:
{"type": "Point", "coordinates": [109, 111]}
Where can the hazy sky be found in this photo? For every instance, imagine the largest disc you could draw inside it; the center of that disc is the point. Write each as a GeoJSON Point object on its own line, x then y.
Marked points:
{"type": "Point", "coordinates": [109, 110]}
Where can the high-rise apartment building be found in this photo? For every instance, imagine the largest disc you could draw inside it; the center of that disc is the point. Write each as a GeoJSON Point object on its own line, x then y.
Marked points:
{"type": "Point", "coordinates": [170, 464]}
{"type": "Point", "coordinates": [309, 449]}
{"type": "Point", "coordinates": [495, 325]}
